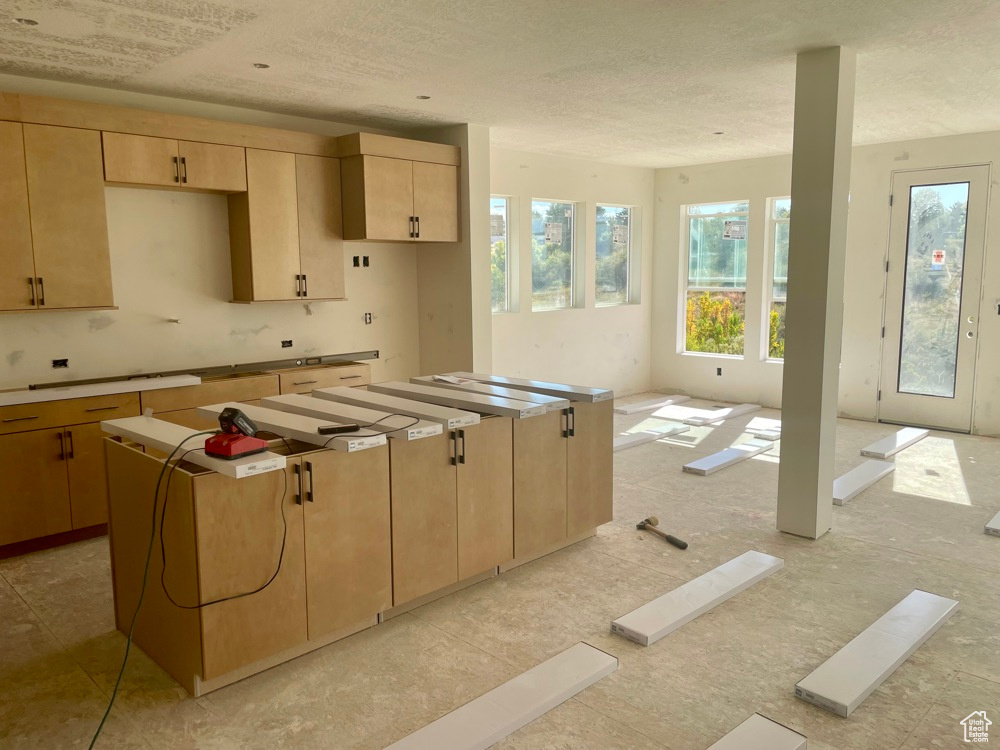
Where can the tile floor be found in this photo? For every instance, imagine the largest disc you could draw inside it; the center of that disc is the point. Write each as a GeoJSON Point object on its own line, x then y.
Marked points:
{"type": "Point", "coordinates": [921, 527]}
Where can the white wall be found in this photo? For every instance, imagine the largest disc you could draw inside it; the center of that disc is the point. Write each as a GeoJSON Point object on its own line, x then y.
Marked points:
{"type": "Point", "coordinates": [751, 378]}
{"type": "Point", "coordinates": [170, 259]}
{"type": "Point", "coordinates": [598, 346]}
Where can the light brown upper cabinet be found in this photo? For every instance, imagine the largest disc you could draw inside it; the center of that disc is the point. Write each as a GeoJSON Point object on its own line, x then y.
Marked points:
{"type": "Point", "coordinates": [165, 162]}
{"type": "Point", "coordinates": [399, 200]}
{"type": "Point", "coordinates": [53, 222]}
{"type": "Point", "coordinates": [285, 230]}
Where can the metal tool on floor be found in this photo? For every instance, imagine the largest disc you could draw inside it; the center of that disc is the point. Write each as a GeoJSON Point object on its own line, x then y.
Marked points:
{"type": "Point", "coordinates": [651, 523]}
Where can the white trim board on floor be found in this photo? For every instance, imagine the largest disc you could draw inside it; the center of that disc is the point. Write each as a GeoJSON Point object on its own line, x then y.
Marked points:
{"type": "Point", "coordinates": [844, 680]}
{"type": "Point", "coordinates": [765, 434]}
{"type": "Point", "coordinates": [486, 720]}
{"type": "Point", "coordinates": [728, 457]}
{"type": "Point", "coordinates": [665, 614]}
{"type": "Point", "coordinates": [859, 479]}
{"type": "Point", "coordinates": [760, 733]}
{"type": "Point", "coordinates": [896, 442]}
{"type": "Point", "coordinates": [993, 527]}
{"type": "Point", "coordinates": [656, 403]}
{"type": "Point", "coordinates": [721, 415]}
{"type": "Point", "coordinates": [621, 442]}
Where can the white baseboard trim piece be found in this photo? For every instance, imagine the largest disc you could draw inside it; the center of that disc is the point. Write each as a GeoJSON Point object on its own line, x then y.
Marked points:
{"type": "Point", "coordinates": [728, 457]}
{"type": "Point", "coordinates": [655, 403]}
{"type": "Point", "coordinates": [760, 733]}
{"type": "Point", "coordinates": [859, 479]}
{"type": "Point", "coordinates": [484, 721]}
{"type": "Point", "coordinates": [720, 415]}
{"type": "Point", "coordinates": [662, 616]}
{"type": "Point", "coordinates": [647, 436]}
{"type": "Point", "coordinates": [771, 435]}
{"type": "Point", "coordinates": [844, 680]}
{"type": "Point", "coordinates": [993, 527]}
{"type": "Point", "coordinates": [893, 444]}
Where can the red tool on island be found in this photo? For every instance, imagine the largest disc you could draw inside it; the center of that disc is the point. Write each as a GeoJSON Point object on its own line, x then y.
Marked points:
{"type": "Point", "coordinates": [236, 438]}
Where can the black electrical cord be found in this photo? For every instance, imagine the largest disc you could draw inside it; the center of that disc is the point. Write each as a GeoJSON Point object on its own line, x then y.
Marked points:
{"type": "Point", "coordinates": [145, 577]}
{"type": "Point", "coordinates": [377, 432]}
{"type": "Point", "coordinates": [163, 551]}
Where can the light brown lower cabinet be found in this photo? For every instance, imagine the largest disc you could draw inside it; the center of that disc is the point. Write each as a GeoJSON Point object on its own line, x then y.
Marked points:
{"type": "Point", "coordinates": [88, 476]}
{"type": "Point", "coordinates": [222, 537]}
{"type": "Point", "coordinates": [589, 466]}
{"type": "Point", "coordinates": [35, 497]}
{"type": "Point", "coordinates": [452, 507]}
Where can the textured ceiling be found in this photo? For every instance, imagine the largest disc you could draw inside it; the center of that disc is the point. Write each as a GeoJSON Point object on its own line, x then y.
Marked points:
{"type": "Point", "coordinates": [634, 82]}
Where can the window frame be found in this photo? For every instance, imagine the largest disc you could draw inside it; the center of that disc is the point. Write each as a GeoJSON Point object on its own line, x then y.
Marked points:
{"type": "Point", "coordinates": [576, 296]}
{"type": "Point", "coordinates": [510, 287]}
{"type": "Point", "coordinates": [631, 262]}
{"type": "Point", "coordinates": [769, 298]}
{"type": "Point", "coordinates": [686, 288]}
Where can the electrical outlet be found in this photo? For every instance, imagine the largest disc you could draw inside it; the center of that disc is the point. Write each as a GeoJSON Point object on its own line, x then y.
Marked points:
{"type": "Point", "coordinates": [286, 343]}
{"type": "Point", "coordinates": [364, 261]}
{"type": "Point", "coordinates": [357, 261]}
{"type": "Point", "coordinates": [718, 371]}
{"type": "Point", "coordinates": [57, 363]}
{"type": "Point", "coordinates": [368, 319]}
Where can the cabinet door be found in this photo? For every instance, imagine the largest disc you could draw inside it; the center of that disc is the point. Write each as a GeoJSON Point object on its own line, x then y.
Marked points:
{"type": "Point", "coordinates": [321, 233]}
{"type": "Point", "coordinates": [485, 496]}
{"type": "Point", "coordinates": [435, 202]}
{"type": "Point", "coordinates": [388, 198]}
{"type": "Point", "coordinates": [34, 495]}
{"type": "Point", "coordinates": [590, 466]}
{"type": "Point", "coordinates": [209, 166]}
{"type": "Point", "coordinates": [347, 532]}
{"type": "Point", "coordinates": [272, 221]}
{"type": "Point", "coordinates": [69, 224]}
{"type": "Point", "coordinates": [140, 160]}
{"type": "Point", "coordinates": [424, 524]}
{"type": "Point", "coordinates": [17, 284]}
{"type": "Point", "coordinates": [539, 483]}
{"type": "Point", "coordinates": [88, 477]}
{"type": "Point", "coordinates": [240, 526]}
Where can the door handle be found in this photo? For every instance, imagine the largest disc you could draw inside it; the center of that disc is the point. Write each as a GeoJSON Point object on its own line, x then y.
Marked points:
{"type": "Point", "coordinates": [418, 226]}
{"type": "Point", "coordinates": [62, 447]}
{"type": "Point", "coordinates": [309, 469]}
{"type": "Point", "coordinates": [297, 471]}
{"type": "Point", "coordinates": [184, 169]}
{"type": "Point", "coordinates": [305, 285]}
{"type": "Point", "coordinates": [564, 420]}
{"type": "Point", "coordinates": [571, 421]}
{"type": "Point", "coordinates": [69, 436]}
{"type": "Point", "coordinates": [41, 291]}
{"type": "Point", "coordinates": [31, 286]}
{"type": "Point", "coordinates": [461, 456]}
{"type": "Point", "coordinates": [177, 170]}
{"type": "Point", "coordinates": [298, 285]}
{"type": "Point", "coordinates": [453, 447]}
{"type": "Point", "coordinates": [412, 229]}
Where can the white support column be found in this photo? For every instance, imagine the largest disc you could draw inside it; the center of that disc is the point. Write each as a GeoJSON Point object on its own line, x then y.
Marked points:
{"type": "Point", "coordinates": [817, 245]}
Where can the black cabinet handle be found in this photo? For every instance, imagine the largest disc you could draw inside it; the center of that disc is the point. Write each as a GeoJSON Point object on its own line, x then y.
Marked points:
{"type": "Point", "coordinates": [62, 447]}
{"type": "Point", "coordinates": [102, 408]}
{"type": "Point", "coordinates": [41, 291]}
{"type": "Point", "coordinates": [18, 419]}
{"type": "Point", "coordinates": [349, 377]}
{"type": "Point", "coordinates": [184, 169]}
{"type": "Point", "coordinates": [297, 471]}
{"type": "Point", "coordinates": [31, 287]}
{"type": "Point", "coordinates": [565, 421]}
{"type": "Point", "coordinates": [305, 285]}
{"type": "Point", "coordinates": [306, 382]}
{"type": "Point", "coordinates": [177, 170]}
{"type": "Point", "coordinates": [69, 435]}
{"type": "Point", "coordinates": [418, 226]}
{"type": "Point", "coordinates": [298, 285]}
{"type": "Point", "coordinates": [309, 469]}
{"type": "Point", "coordinates": [461, 456]}
{"type": "Point", "coordinates": [571, 421]}
{"type": "Point", "coordinates": [453, 445]}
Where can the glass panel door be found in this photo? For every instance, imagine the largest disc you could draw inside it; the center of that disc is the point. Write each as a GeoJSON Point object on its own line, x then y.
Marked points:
{"type": "Point", "coordinates": [936, 241]}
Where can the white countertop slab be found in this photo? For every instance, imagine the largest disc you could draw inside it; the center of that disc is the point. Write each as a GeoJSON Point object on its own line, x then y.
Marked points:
{"type": "Point", "coordinates": [395, 427]}
{"type": "Point", "coordinates": [13, 398]}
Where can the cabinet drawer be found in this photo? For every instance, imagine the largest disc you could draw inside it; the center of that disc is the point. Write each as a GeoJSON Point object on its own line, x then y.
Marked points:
{"type": "Point", "coordinates": [244, 388]}
{"type": "Point", "coordinates": [24, 417]}
{"type": "Point", "coordinates": [306, 381]}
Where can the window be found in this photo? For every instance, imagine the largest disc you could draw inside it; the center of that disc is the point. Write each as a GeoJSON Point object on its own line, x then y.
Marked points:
{"type": "Point", "coordinates": [716, 277]}
{"type": "Point", "coordinates": [613, 235]}
{"type": "Point", "coordinates": [552, 228]}
{"type": "Point", "coordinates": [781, 209]}
{"type": "Point", "coordinates": [500, 252]}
